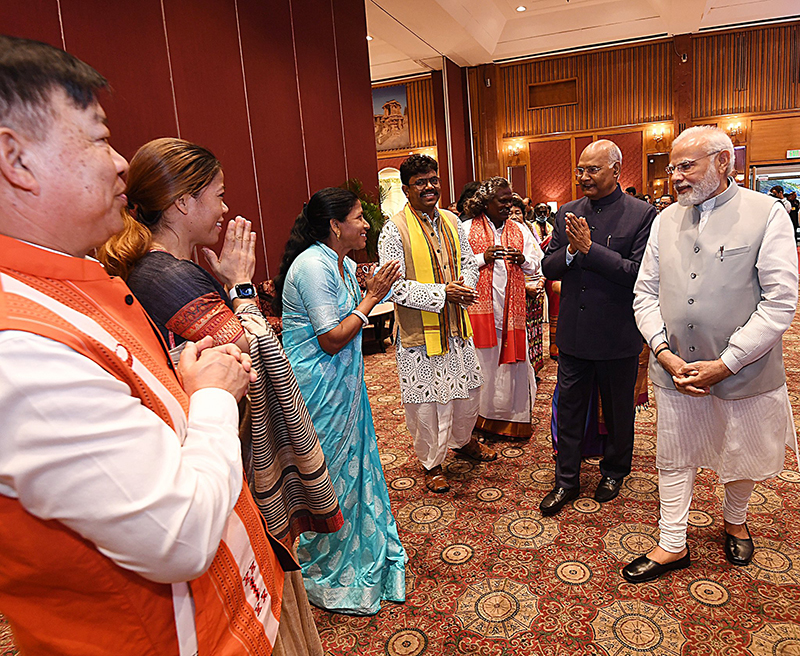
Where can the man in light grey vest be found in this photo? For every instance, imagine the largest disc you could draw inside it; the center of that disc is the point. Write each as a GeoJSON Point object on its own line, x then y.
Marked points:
{"type": "Point", "coordinates": [716, 290]}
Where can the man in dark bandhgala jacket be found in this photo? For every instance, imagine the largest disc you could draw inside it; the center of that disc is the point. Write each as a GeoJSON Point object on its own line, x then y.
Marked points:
{"type": "Point", "coordinates": [595, 251]}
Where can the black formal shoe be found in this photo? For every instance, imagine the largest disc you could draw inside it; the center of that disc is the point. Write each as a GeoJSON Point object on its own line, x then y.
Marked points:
{"type": "Point", "coordinates": [607, 489]}
{"type": "Point", "coordinates": [739, 551]}
{"type": "Point", "coordinates": [643, 569]}
{"type": "Point", "coordinates": [557, 499]}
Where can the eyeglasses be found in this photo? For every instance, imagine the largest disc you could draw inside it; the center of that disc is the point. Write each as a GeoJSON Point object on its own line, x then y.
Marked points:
{"type": "Point", "coordinates": [688, 165]}
{"type": "Point", "coordinates": [591, 170]}
{"type": "Point", "coordinates": [423, 182]}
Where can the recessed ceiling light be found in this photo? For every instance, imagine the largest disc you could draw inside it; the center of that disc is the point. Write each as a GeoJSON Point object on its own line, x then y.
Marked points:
{"type": "Point", "coordinates": [369, 38]}
{"type": "Point", "coordinates": [522, 8]}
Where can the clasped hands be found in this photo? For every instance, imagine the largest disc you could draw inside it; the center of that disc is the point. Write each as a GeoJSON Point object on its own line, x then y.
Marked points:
{"type": "Point", "coordinates": [236, 263]}
{"type": "Point", "coordinates": [458, 292]}
{"type": "Point", "coordinates": [578, 233]}
{"type": "Point", "coordinates": [225, 367]}
{"type": "Point", "coordinates": [693, 378]}
{"type": "Point", "coordinates": [512, 255]}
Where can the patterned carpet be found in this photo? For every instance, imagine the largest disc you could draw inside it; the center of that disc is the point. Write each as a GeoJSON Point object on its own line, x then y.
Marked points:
{"type": "Point", "coordinates": [487, 575]}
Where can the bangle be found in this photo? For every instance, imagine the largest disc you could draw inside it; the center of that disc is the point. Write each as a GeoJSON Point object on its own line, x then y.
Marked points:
{"type": "Point", "coordinates": [660, 350]}
{"type": "Point", "coordinates": [362, 316]}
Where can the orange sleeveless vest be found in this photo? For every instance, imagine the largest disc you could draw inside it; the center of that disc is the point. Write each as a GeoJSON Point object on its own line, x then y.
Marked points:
{"type": "Point", "coordinates": [62, 596]}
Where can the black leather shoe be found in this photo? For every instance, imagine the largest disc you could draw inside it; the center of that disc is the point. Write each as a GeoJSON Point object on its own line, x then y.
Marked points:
{"type": "Point", "coordinates": [557, 499]}
{"type": "Point", "coordinates": [607, 489]}
{"type": "Point", "coordinates": [739, 551]}
{"type": "Point", "coordinates": [643, 569]}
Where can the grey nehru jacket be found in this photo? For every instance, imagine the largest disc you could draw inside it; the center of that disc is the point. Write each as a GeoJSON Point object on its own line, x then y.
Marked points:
{"type": "Point", "coordinates": [709, 286]}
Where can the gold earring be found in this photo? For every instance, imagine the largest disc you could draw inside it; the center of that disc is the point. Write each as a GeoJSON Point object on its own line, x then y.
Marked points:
{"type": "Point", "coordinates": [338, 234]}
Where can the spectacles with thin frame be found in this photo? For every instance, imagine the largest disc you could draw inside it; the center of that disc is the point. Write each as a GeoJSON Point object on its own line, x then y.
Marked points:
{"type": "Point", "coordinates": [687, 165]}
{"type": "Point", "coordinates": [591, 170]}
{"type": "Point", "coordinates": [423, 182]}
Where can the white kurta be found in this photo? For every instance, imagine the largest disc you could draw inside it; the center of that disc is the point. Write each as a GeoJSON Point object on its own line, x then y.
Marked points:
{"type": "Point", "coordinates": [509, 389]}
{"type": "Point", "coordinates": [78, 448]}
{"type": "Point", "coordinates": [740, 439]}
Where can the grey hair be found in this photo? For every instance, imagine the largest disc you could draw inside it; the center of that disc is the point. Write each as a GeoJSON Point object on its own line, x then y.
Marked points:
{"type": "Point", "coordinates": [713, 139]}
{"type": "Point", "coordinates": [476, 205]}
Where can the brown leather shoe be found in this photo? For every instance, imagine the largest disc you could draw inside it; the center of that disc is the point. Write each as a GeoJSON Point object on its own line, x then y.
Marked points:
{"type": "Point", "coordinates": [435, 480]}
{"type": "Point", "coordinates": [477, 451]}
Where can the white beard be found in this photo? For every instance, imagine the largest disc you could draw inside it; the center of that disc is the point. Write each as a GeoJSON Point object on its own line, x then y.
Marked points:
{"type": "Point", "coordinates": [701, 190]}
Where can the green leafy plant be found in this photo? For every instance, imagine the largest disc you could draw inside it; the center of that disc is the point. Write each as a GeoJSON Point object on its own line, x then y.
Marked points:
{"type": "Point", "coordinates": [372, 213]}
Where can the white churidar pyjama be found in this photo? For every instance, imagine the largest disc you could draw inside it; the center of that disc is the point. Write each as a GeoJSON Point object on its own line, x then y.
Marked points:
{"type": "Point", "coordinates": [436, 427]}
{"type": "Point", "coordinates": [675, 491]}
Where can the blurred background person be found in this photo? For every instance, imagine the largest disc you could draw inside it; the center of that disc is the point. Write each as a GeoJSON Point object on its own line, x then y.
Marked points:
{"type": "Point", "coordinates": [534, 296]}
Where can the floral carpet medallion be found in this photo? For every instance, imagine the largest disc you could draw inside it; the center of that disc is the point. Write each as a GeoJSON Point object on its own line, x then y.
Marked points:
{"type": "Point", "coordinates": [496, 608]}
{"type": "Point", "coordinates": [628, 627]}
{"type": "Point", "coordinates": [780, 639]}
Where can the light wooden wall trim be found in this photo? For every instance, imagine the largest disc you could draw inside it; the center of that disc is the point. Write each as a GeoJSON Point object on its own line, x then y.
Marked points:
{"type": "Point", "coordinates": [421, 118]}
{"type": "Point", "coordinates": [616, 87]}
{"type": "Point", "coordinates": [755, 70]}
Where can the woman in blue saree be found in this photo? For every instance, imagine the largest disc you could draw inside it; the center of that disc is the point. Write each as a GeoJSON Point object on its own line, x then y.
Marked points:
{"type": "Point", "coordinates": [323, 311]}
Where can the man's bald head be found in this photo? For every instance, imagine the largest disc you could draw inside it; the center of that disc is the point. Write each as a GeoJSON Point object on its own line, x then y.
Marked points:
{"type": "Point", "coordinates": [605, 148]}
{"type": "Point", "coordinates": [599, 168]}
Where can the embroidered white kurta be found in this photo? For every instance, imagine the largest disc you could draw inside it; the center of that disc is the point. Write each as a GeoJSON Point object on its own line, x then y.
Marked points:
{"type": "Point", "coordinates": [437, 378]}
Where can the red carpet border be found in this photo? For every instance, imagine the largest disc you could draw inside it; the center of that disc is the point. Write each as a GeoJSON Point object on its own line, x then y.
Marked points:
{"type": "Point", "coordinates": [488, 575]}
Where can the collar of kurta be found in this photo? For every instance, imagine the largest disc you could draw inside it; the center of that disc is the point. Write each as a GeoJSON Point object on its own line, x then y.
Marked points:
{"type": "Point", "coordinates": [36, 260]}
{"type": "Point", "coordinates": [720, 199]}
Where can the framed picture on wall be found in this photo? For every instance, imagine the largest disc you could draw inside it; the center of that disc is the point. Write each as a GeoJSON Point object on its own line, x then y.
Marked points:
{"type": "Point", "coordinates": [390, 115]}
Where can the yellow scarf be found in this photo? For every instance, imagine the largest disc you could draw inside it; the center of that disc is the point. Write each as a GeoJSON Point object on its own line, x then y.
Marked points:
{"type": "Point", "coordinates": [428, 270]}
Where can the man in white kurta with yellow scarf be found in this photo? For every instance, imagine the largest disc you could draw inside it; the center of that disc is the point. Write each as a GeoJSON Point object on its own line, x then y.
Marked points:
{"type": "Point", "coordinates": [716, 290]}
{"type": "Point", "coordinates": [440, 378]}
{"type": "Point", "coordinates": [506, 251]}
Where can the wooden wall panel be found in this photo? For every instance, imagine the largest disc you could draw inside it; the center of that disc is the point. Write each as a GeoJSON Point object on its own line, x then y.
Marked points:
{"type": "Point", "coordinates": [770, 138]}
{"type": "Point", "coordinates": [621, 86]}
{"type": "Point", "coordinates": [750, 71]}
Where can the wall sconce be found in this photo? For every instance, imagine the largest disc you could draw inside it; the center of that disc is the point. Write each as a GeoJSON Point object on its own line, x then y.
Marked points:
{"type": "Point", "coordinates": [515, 148]}
{"type": "Point", "coordinates": [658, 135]}
{"type": "Point", "coordinates": [734, 130]}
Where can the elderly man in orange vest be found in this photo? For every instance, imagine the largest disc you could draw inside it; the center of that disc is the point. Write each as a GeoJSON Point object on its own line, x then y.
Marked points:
{"type": "Point", "coordinates": [124, 525]}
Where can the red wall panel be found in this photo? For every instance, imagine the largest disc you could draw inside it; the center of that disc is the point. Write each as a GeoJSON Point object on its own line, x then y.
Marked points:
{"type": "Point", "coordinates": [461, 164]}
{"type": "Point", "coordinates": [275, 120]}
{"type": "Point", "coordinates": [630, 143]}
{"type": "Point", "coordinates": [319, 92]}
{"type": "Point", "coordinates": [350, 22]}
{"type": "Point", "coordinates": [17, 20]}
{"type": "Point", "coordinates": [140, 107]}
{"type": "Point", "coordinates": [219, 62]}
{"type": "Point", "coordinates": [551, 171]}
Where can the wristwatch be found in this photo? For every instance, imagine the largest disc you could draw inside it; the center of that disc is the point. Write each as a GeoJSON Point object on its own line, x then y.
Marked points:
{"type": "Point", "coordinates": [245, 290]}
